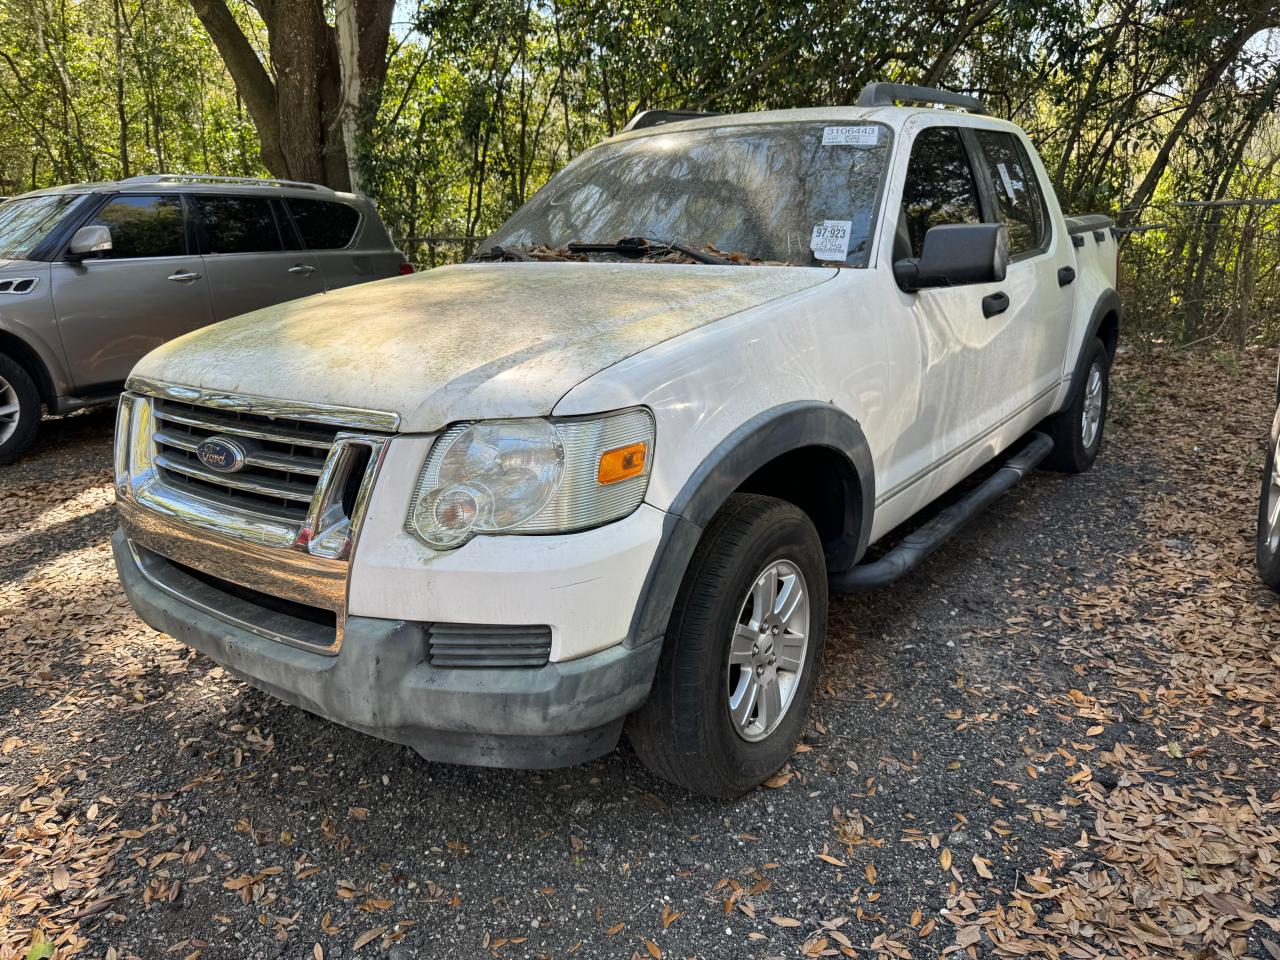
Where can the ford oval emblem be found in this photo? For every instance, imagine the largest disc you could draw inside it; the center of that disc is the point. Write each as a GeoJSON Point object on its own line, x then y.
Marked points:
{"type": "Point", "coordinates": [221, 454]}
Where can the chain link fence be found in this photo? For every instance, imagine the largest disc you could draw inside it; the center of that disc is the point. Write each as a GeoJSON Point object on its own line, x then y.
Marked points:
{"type": "Point", "coordinates": [437, 251]}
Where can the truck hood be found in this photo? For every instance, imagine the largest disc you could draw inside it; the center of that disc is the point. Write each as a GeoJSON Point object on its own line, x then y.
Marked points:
{"type": "Point", "coordinates": [471, 341]}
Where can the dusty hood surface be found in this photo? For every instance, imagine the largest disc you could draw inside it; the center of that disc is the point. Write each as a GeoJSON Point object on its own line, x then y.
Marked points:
{"type": "Point", "coordinates": [482, 340]}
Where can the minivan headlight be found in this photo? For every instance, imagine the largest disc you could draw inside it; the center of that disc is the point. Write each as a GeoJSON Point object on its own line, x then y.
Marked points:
{"type": "Point", "coordinates": [531, 476]}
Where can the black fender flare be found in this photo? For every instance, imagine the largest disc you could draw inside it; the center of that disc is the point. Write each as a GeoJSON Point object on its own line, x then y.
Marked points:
{"type": "Point", "coordinates": [765, 437]}
{"type": "Point", "coordinates": [1109, 302]}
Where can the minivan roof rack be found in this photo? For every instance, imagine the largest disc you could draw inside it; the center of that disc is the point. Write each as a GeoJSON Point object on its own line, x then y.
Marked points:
{"type": "Point", "coordinates": [656, 118]}
{"type": "Point", "coordinates": [889, 94]}
{"type": "Point", "coordinates": [229, 181]}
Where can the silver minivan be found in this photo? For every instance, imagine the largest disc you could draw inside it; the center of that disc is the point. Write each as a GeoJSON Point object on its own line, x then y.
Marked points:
{"type": "Point", "coordinates": [94, 276]}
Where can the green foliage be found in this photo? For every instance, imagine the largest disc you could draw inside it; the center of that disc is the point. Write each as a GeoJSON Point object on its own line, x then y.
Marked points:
{"type": "Point", "coordinates": [106, 88]}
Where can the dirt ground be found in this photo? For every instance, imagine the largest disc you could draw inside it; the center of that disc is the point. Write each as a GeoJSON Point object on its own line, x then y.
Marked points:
{"type": "Point", "coordinates": [1056, 738]}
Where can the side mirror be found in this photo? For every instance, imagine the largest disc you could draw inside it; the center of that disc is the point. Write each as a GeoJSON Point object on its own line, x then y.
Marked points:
{"type": "Point", "coordinates": [89, 241]}
{"type": "Point", "coordinates": [955, 254]}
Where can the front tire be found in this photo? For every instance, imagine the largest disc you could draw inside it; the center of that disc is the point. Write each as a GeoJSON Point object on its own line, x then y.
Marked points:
{"type": "Point", "coordinates": [741, 654]}
{"type": "Point", "coordinates": [1269, 521]}
{"type": "Point", "coordinates": [1077, 429]}
{"type": "Point", "coordinates": [19, 409]}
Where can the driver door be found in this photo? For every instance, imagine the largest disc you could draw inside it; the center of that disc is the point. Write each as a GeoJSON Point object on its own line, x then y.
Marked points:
{"type": "Point", "coordinates": [958, 358]}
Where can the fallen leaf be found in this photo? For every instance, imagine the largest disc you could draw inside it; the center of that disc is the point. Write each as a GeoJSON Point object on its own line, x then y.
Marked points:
{"type": "Point", "coordinates": [368, 937]}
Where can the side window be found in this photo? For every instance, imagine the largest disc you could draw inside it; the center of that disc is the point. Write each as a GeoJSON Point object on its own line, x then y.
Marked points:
{"type": "Point", "coordinates": [939, 188]}
{"type": "Point", "coordinates": [238, 224]}
{"type": "Point", "coordinates": [324, 224]}
{"type": "Point", "coordinates": [143, 226]}
{"type": "Point", "coordinates": [1017, 192]}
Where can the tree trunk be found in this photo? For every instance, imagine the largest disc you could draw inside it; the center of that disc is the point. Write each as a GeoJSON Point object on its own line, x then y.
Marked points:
{"type": "Point", "coordinates": [348, 36]}
{"type": "Point", "coordinates": [307, 130]}
{"type": "Point", "coordinates": [122, 111]}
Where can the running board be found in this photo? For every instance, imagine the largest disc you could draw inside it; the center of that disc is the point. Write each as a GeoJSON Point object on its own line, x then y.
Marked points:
{"type": "Point", "coordinates": [913, 548]}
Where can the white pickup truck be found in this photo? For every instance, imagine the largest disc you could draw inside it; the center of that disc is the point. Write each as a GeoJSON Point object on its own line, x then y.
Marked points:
{"type": "Point", "coordinates": [608, 473]}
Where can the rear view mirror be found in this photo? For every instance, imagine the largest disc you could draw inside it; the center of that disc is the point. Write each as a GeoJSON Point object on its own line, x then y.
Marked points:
{"type": "Point", "coordinates": [89, 241]}
{"type": "Point", "coordinates": [955, 254]}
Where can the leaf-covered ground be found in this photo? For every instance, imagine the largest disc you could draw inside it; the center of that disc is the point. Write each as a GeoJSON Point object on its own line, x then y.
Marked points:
{"type": "Point", "coordinates": [1054, 739]}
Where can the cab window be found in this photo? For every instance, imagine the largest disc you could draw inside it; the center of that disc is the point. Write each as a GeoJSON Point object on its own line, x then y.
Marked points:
{"type": "Point", "coordinates": [143, 226]}
{"type": "Point", "coordinates": [940, 188]}
{"type": "Point", "coordinates": [1021, 205]}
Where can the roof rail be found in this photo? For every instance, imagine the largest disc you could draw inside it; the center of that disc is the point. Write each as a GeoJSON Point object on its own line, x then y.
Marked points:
{"type": "Point", "coordinates": [656, 118]}
{"type": "Point", "coordinates": [889, 94]}
{"type": "Point", "coordinates": [230, 181]}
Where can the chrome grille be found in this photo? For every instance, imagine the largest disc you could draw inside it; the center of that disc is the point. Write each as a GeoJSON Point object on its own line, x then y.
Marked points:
{"type": "Point", "coordinates": [283, 463]}
{"type": "Point", "coordinates": [279, 529]}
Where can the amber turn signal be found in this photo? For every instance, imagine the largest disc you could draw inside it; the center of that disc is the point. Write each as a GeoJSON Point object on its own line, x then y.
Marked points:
{"type": "Point", "coordinates": [622, 463]}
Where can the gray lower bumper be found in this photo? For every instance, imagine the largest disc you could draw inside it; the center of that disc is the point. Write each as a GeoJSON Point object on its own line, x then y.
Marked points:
{"type": "Point", "coordinates": [381, 684]}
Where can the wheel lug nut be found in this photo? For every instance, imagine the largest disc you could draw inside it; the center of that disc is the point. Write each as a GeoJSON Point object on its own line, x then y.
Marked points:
{"type": "Point", "coordinates": [755, 648]}
{"type": "Point", "coordinates": [759, 671]}
{"type": "Point", "coordinates": [775, 631]}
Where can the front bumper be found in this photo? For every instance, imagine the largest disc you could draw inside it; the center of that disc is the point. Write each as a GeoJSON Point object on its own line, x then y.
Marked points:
{"type": "Point", "coordinates": [381, 683]}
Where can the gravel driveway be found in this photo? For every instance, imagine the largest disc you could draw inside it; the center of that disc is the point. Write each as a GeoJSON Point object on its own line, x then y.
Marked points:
{"type": "Point", "coordinates": [1055, 738]}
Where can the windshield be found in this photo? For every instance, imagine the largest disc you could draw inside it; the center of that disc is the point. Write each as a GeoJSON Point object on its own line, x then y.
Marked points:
{"type": "Point", "coordinates": [795, 194]}
{"type": "Point", "coordinates": [25, 222]}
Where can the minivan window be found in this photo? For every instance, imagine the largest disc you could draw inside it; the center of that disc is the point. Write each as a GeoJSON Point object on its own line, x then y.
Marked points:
{"type": "Point", "coordinates": [1017, 193]}
{"type": "Point", "coordinates": [27, 221]}
{"type": "Point", "coordinates": [143, 226]}
{"type": "Point", "coordinates": [940, 187]}
{"type": "Point", "coordinates": [238, 225]}
{"type": "Point", "coordinates": [324, 224]}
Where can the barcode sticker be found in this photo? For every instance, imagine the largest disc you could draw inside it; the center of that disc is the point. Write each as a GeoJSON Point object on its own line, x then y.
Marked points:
{"type": "Point", "coordinates": [830, 239]}
{"type": "Point", "coordinates": [863, 135]}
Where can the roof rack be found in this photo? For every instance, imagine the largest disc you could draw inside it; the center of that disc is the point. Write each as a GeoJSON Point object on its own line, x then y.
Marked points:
{"type": "Point", "coordinates": [656, 118]}
{"type": "Point", "coordinates": [230, 181]}
{"type": "Point", "coordinates": [889, 94]}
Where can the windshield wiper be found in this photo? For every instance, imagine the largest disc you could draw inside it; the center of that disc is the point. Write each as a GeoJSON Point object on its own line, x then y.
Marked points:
{"type": "Point", "coordinates": [642, 246]}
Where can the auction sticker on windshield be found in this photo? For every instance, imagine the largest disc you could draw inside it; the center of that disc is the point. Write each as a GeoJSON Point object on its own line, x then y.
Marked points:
{"type": "Point", "coordinates": [830, 239]}
{"type": "Point", "coordinates": [859, 136]}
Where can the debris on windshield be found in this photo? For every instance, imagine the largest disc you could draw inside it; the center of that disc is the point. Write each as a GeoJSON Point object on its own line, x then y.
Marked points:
{"type": "Point", "coordinates": [653, 252]}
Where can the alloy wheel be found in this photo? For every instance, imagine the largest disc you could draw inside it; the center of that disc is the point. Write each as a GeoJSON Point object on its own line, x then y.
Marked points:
{"type": "Point", "coordinates": [767, 653]}
{"type": "Point", "coordinates": [9, 410]}
{"type": "Point", "coordinates": [1091, 418]}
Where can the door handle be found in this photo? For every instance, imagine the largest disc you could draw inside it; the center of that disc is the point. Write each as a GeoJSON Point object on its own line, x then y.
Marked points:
{"type": "Point", "coordinates": [183, 276]}
{"type": "Point", "coordinates": [1066, 275]}
{"type": "Point", "coordinates": [302, 269]}
{"type": "Point", "coordinates": [994, 303]}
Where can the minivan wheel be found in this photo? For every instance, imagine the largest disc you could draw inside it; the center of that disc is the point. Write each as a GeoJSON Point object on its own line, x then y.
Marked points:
{"type": "Point", "coordinates": [19, 409]}
{"type": "Point", "coordinates": [741, 654]}
{"type": "Point", "coordinates": [1077, 429]}
{"type": "Point", "coordinates": [1269, 521]}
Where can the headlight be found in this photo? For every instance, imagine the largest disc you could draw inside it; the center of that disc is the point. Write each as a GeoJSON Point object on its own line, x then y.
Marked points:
{"type": "Point", "coordinates": [531, 476]}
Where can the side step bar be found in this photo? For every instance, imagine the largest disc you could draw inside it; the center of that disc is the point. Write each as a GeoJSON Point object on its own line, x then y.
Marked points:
{"type": "Point", "coordinates": [926, 538]}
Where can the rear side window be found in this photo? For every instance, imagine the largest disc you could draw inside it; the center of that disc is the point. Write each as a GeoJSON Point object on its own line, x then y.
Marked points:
{"type": "Point", "coordinates": [1017, 192]}
{"type": "Point", "coordinates": [238, 224]}
{"type": "Point", "coordinates": [324, 224]}
{"type": "Point", "coordinates": [940, 187]}
{"type": "Point", "coordinates": [143, 226]}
